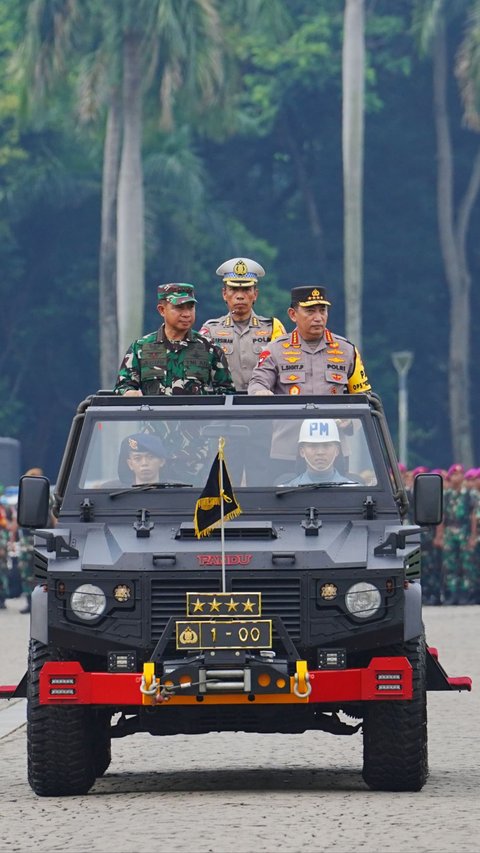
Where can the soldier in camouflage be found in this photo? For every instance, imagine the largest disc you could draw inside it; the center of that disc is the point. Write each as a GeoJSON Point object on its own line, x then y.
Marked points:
{"type": "Point", "coordinates": [458, 536]}
{"type": "Point", "coordinates": [175, 359]}
{"type": "Point", "coordinates": [4, 537]}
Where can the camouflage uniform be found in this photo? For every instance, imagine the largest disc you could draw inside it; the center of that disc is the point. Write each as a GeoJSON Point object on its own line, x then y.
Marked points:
{"type": "Point", "coordinates": [25, 551]}
{"type": "Point", "coordinates": [458, 567]}
{"type": "Point", "coordinates": [476, 551]}
{"type": "Point", "coordinates": [4, 537]}
{"type": "Point", "coordinates": [156, 365]}
{"type": "Point", "coordinates": [431, 568]}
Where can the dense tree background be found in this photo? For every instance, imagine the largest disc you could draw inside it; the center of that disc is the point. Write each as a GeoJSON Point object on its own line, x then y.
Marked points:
{"type": "Point", "coordinates": [259, 174]}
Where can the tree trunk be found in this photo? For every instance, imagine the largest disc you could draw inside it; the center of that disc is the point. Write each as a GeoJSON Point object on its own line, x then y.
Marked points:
{"type": "Point", "coordinates": [108, 333]}
{"type": "Point", "coordinates": [452, 244]}
{"type": "Point", "coordinates": [130, 208]}
{"type": "Point", "coordinates": [353, 64]}
{"type": "Point", "coordinates": [311, 207]}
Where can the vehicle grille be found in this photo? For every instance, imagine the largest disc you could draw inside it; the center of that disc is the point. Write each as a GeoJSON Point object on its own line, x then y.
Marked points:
{"type": "Point", "coordinates": [234, 530]}
{"type": "Point", "coordinates": [280, 597]}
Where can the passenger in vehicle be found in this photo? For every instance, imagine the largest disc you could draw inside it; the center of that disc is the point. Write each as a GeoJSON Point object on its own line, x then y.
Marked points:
{"type": "Point", "coordinates": [319, 446]}
{"type": "Point", "coordinates": [143, 459]}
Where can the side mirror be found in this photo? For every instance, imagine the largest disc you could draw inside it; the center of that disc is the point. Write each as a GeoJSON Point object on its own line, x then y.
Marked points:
{"type": "Point", "coordinates": [33, 501]}
{"type": "Point", "coordinates": [428, 499]}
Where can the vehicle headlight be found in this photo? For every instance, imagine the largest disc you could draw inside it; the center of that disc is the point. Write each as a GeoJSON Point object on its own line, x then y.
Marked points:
{"type": "Point", "coordinates": [363, 600]}
{"type": "Point", "coordinates": [88, 601]}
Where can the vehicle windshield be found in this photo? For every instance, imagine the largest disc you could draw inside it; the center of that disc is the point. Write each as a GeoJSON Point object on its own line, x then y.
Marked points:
{"type": "Point", "coordinates": [280, 453]}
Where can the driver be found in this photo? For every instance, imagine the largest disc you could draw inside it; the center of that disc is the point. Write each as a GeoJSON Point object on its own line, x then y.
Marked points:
{"type": "Point", "coordinates": [142, 456]}
{"type": "Point", "coordinates": [319, 446]}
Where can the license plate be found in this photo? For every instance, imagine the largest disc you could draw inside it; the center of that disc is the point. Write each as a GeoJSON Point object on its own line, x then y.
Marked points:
{"type": "Point", "coordinates": [238, 634]}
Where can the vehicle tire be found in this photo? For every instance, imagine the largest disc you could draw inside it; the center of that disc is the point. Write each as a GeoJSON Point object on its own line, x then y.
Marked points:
{"type": "Point", "coordinates": [395, 754]}
{"type": "Point", "coordinates": [59, 747]}
{"type": "Point", "coordinates": [101, 742]}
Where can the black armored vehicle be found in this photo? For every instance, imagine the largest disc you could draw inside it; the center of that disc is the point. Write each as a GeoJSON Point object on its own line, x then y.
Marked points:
{"type": "Point", "coordinates": [302, 613]}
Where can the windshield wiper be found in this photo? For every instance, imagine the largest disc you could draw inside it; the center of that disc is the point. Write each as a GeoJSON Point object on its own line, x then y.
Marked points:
{"type": "Point", "coordinates": [306, 487]}
{"type": "Point", "coordinates": [150, 487]}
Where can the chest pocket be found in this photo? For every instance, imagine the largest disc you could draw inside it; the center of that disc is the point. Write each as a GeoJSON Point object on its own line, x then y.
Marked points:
{"type": "Point", "coordinates": [259, 346]}
{"type": "Point", "coordinates": [196, 366]}
{"type": "Point", "coordinates": [335, 376]}
{"type": "Point", "coordinates": [294, 376]}
{"type": "Point", "coordinates": [153, 369]}
{"type": "Point", "coordinates": [225, 345]}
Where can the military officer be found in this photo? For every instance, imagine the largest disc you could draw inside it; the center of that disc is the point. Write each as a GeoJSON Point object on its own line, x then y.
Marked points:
{"type": "Point", "coordinates": [176, 359]}
{"type": "Point", "coordinates": [242, 334]}
{"type": "Point", "coordinates": [312, 359]}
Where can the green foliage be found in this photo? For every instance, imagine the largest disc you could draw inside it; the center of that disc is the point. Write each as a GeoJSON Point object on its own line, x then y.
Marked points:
{"type": "Point", "coordinates": [258, 174]}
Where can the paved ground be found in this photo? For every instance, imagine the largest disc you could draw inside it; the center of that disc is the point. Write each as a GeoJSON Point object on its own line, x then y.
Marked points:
{"type": "Point", "coordinates": [262, 793]}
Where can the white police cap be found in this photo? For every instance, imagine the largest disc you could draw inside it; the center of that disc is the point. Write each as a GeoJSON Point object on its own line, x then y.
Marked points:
{"type": "Point", "coordinates": [240, 272]}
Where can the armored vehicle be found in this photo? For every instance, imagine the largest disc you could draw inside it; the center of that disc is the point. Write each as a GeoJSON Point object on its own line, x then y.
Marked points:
{"type": "Point", "coordinates": [302, 613]}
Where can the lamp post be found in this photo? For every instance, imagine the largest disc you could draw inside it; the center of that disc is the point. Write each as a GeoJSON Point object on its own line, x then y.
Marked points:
{"type": "Point", "coordinates": [402, 362]}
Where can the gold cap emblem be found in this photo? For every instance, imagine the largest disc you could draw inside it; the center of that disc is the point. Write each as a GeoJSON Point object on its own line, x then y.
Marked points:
{"type": "Point", "coordinates": [240, 268]}
{"type": "Point", "coordinates": [133, 443]}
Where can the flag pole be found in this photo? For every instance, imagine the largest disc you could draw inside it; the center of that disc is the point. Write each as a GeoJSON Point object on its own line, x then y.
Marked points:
{"type": "Point", "coordinates": [221, 445]}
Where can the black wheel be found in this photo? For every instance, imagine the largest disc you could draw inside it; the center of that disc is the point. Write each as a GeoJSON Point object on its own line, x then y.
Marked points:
{"type": "Point", "coordinates": [395, 754]}
{"type": "Point", "coordinates": [101, 742]}
{"type": "Point", "coordinates": [59, 742]}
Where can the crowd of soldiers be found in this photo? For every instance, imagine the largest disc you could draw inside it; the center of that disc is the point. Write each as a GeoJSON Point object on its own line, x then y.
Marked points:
{"type": "Point", "coordinates": [16, 553]}
{"type": "Point", "coordinates": [451, 552]}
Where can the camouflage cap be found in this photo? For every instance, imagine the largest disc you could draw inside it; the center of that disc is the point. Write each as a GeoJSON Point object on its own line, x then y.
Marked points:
{"type": "Point", "coordinates": [309, 295]}
{"type": "Point", "coordinates": [177, 293]}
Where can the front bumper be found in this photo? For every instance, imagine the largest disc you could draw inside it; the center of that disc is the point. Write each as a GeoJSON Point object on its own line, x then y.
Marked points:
{"type": "Point", "coordinates": [384, 679]}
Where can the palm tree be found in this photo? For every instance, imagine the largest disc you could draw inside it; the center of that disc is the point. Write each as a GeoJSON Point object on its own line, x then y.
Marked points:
{"type": "Point", "coordinates": [430, 24]}
{"type": "Point", "coordinates": [175, 47]}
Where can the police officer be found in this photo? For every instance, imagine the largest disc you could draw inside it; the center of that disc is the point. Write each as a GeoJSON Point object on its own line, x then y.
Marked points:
{"type": "Point", "coordinates": [242, 334]}
{"type": "Point", "coordinates": [312, 359]}
{"type": "Point", "coordinates": [175, 359]}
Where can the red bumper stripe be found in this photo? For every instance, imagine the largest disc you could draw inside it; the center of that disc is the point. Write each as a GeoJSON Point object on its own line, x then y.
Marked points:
{"type": "Point", "coordinates": [66, 682]}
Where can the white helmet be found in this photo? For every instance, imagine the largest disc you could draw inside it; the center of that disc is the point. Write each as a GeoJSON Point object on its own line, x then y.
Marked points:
{"type": "Point", "coordinates": [316, 431]}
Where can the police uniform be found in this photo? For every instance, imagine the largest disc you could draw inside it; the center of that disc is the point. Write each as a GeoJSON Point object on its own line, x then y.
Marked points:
{"type": "Point", "coordinates": [291, 365]}
{"type": "Point", "coordinates": [156, 365]}
{"type": "Point", "coordinates": [242, 343]}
